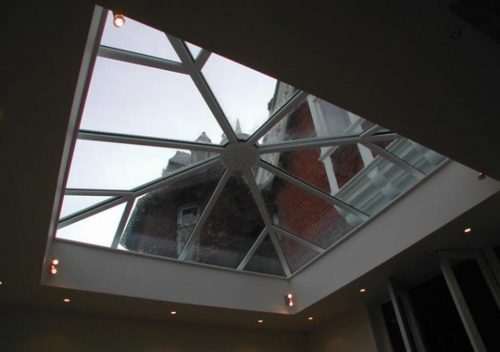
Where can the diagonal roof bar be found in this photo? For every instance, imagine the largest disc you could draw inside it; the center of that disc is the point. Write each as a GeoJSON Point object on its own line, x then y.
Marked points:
{"type": "Point", "coordinates": [252, 249]}
{"type": "Point", "coordinates": [181, 174]}
{"type": "Point", "coordinates": [307, 143]}
{"type": "Point", "coordinates": [287, 108]}
{"type": "Point", "coordinates": [204, 215]}
{"type": "Point", "coordinates": [311, 189]}
{"type": "Point", "coordinates": [123, 222]}
{"type": "Point", "coordinates": [299, 239]}
{"type": "Point", "coordinates": [146, 141]}
{"type": "Point", "coordinates": [394, 159]}
{"type": "Point", "coordinates": [140, 59]}
{"type": "Point", "coordinates": [205, 91]}
{"type": "Point", "coordinates": [96, 192]}
{"type": "Point", "coordinates": [370, 131]}
{"type": "Point", "coordinates": [85, 213]}
{"type": "Point", "coordinates": [266, 217]}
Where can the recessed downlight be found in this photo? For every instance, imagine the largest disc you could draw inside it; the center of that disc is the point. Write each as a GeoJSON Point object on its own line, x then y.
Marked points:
{"type": "Point", "coordinates": [260, 321]}
{"type": "Point", "coordinates": [173, 312]}
{"type": "Point", "coordinates": [66, 300]}
{"type": "Point", "coordinates": [310, 318]}
{"type": "Point", "coordinates": [468, 230]}
{"type": "Point", "coordinates": [362, 290]}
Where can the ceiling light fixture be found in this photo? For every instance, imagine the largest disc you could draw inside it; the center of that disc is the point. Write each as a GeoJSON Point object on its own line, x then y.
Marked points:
{"type": "Point", "coordinates": [310, 318]}
{"type": "Point", "coordinates": [362, 290]}
{"type": "Point", "coordinates": [481, 175]}
{"type": "Point", "coordinates": [173, 312]}
{"type": "Point", "coordinates": [66, 300]}
{"type": "Point", "coordinates": [260, 321]}
{"type": "Point", "coordinates": [118, 19]}
{"type": "Point", "coordinates": [289, 300]}
{"type": "Point", "coordinates": [468, 230]}
{"type": "Point", "coordinates": [53, 266]}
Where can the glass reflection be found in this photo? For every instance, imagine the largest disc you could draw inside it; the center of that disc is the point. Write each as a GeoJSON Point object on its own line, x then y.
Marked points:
{"type": "Point", "coordinates": [265, 259]}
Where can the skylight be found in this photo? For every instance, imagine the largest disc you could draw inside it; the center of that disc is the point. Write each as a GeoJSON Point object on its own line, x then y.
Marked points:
{"type": "Point", "coordinates": [186, 155]}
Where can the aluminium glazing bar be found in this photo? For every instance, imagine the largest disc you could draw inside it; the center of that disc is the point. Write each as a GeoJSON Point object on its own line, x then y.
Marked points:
{"type": "Point", "coordinates": [311, 189]}
{"type": "Point", "coordinates": [85, 213]}
{"type": "Point", "coordinates": [140, 59]}
{"type": "Point", "coordinates": [252, 250]}
{"type": "Point", "coordinates": [96, 192]}
{"type": "Point", "coordinates": [122, 223]}
{"type": "Point", "coordinates": [370, 131]}
{"type": "Point", "coordinates": [400, 317]}
{"type": "Point", "coordinates": [176, 176]}
{"type": "Point", "coordinates": [205, 91]}
{"type": "Point", "coordinates": [394, 159]}
{"type": "Point", "coordinates": [287, 108]}
{"type": "Point", "coordinates": [202, 58]}
{"type": "Point", "coordinates": [382, 136]}
{"type": "Point", "coordinates": [146, 141]}
{"type": "Point", "coordinates": [266, 217]}
{"type": "Point", "coordinates": [307, 143]}
{"type": "Point", "coordinates": [296, 238]}
{"type": "Point", "coordinates": [193, 236]}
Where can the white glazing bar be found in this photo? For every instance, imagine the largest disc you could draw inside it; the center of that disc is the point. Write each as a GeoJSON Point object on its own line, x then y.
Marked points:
{"type": "Point", "coordinates": [266, 217]}
{"type": "Point", "coordinates": [96, 192]}
{"type": "Point", "coordinates": [174, 177]}
{"type": "Point", "coordinates": [489, 277]}
{"type": "Point", "coordinates": [282, 112]}
{"type": "Point", "coordinates": [90, 211]}
{"type": "Point", "coordinates": [296, 238]}
{"type": "Point", "coordinates": [140, 59]}
{"type": "Point", "coordinates": [122, 223]}
{"type": "Point", "coordinates": [146, 141]}
{"type": "Point", "coordinates": [202, 58]}
{"type": "Point", "coordinates": [372, 130]}
{"type": "Point", "coordinates": [203, 87]}
{"type": "Point", "coordinates": [461, 305]}
{"type": "Point", "coordinates": [193, 236]}
{"type": "Point", "coordinates": [307, 144]}
{"type": "Point", "coordinates": [311, 189]}
{"type": "Point", "coordinates": [394, 159]}
{"type": "Point", "coordinates": [494, 262]}
{"type": "Point", "coordinates": [252, 249]}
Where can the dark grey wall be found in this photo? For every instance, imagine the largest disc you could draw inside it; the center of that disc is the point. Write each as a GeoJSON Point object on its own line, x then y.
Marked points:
{"type": "Point", "coordinates": [42, 330]}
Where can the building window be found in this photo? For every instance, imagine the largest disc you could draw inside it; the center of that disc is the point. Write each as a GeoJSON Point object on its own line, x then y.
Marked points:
{"type": "Point", "coordinates": [188, 216]}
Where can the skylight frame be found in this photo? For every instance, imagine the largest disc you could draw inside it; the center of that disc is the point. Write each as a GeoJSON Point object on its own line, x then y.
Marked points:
{"type": "Point", "coordinates": [192, 67]}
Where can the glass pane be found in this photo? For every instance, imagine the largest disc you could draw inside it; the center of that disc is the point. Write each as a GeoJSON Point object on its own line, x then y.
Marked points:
{"type": "Point", "coordinates": [316, 118]}
{"type": "Point", "coordinates": [73, 204]}
{"type": "Point", "coordinates": [296, 254]}
{"type": "Point", "coordinates": [244, 94]}
{"type": "Point", "coordinates": [231, 229]}
{"type": "Point", "coordinates": [193, 49]}
{"type": "Point", "coordinates": [375, 186]}
{"type": "Point", "coordinates": [304, 214]}
{"type": "Point", "coordinates": [415, 154]}
{"type": "Point", "coordinates": [265, 260]}
{"type": "Point", "coordinates": [138, 100]}
{"type": "Point", "coordinates": [162, 220]}
{"type": "Point", "coordinates": [98, 229]}
{"type": "Point", "coordinates": [104, 165]}
{"type": "Point", "coordinates": [137, 37]}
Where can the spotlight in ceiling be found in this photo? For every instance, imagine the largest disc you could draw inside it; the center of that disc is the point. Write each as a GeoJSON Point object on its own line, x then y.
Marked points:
{"type": "Point", "coordinates": [260, 321]}
{"type": "Point", "coordinates": [310, 318]}
{"type": "Point", "coordinates": [481, 175]}
{"type": "Point", "coordinates": [1, 283]}
{"type": "Point", "coordinates": [289, 300]}
{"type": "Point", "coordinates": [173, 312]}
{"type": "Point", "coordinates": [66, 300]}
{"type": "Point", "coordinates": [468, 230]}
{"type": "Point", "coordinates": [362, 290]}
{"type": "Point", "coordinates": [118, 19]}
